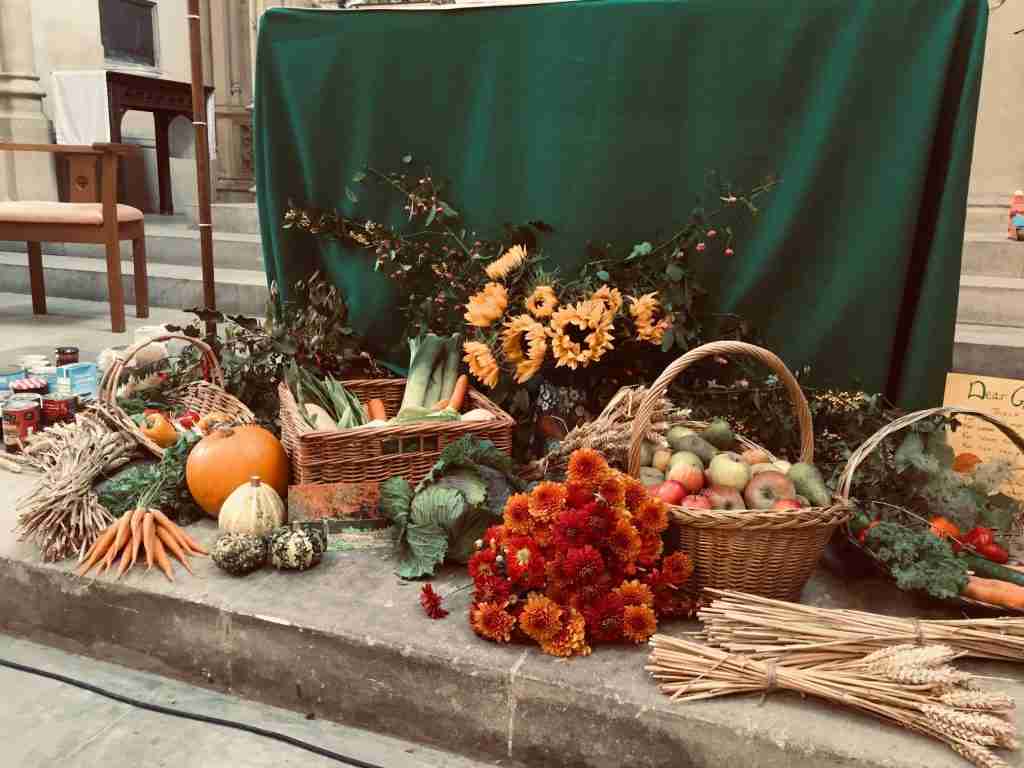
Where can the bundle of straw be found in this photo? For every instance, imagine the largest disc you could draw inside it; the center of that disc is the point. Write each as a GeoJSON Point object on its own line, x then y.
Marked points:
{"type": "Point", "coordinates": [799, 635]}
{"type": "Point", "coordinates": [911, 686]}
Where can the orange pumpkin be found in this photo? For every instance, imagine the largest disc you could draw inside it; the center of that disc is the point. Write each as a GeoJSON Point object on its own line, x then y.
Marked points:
{"type": "Point", "coordinates": [227, 458]}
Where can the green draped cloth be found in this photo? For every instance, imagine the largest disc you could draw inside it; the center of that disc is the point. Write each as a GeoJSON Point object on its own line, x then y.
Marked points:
{"type": "Point", "coordinates": [603, 118]}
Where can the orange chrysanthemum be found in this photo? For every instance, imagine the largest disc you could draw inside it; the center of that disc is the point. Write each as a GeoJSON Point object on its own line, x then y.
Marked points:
{"type": "Point", "coordinates": [547, 500]}
{"type": "Point", "coordinates": [610, 297]}
{"type": "Point", "coordinates": [517, 514]}
{"type": "Point", "coordinates": [481, 363]}
{"type": "Point", "coordinates": [492, 621]}
{"type": "Point", "coordinates": [587, 468]}
{"type": "Point", "coordinates": [625, 541]}
{"type": "Point", "coordinates": [677, 568]}
{"type": "Point", "coordinates": [635, 492]}
{"type": "Point", "coordinates": [525, 344]}
{"type": "Point", "coordinates": [541, 532]}
{"type": "Point", "coordinates": [651, 515]}
{"type": "Point", "coordinates": [612, 489]}
{"type": "Point", "coordinates": [580, 334]}
{"type": "Point", "coordinates": [507, 263]}
{"type": "Point", "coordinates": [542, 302]}
{"type": "Point", "coordinates": [651, 547]}
{"type": "Point", "coordinates": [638, 623]}
{"type": "Point", "coordinates": [541, 618]}
{"type": "Point", "coordinates": [487, 306]}
{"type": "Point", "coordinates": [571, 640]}
{"type": "Point", "coordinates": [648, 318]}
{"type": "Point", "coordinates": [635, 593]}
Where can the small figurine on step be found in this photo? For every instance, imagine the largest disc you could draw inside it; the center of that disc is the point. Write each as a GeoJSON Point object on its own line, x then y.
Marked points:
{"type": "Point", "coordinates": [1016, 231]}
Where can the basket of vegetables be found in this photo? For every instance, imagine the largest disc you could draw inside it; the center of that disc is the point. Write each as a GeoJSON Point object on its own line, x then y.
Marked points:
{"type": "Point", "coordinates": [373, 429]}
{"type": "Point", "coordinates": [957, 541]}
{"type": "Point", "coordinates": [194, 406]}
{"type": "Point", "coordinates": [751, 523]}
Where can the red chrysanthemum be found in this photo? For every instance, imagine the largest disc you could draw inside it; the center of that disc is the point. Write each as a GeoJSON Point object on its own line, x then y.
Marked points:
{"type": "Point", "coordinates": [431, 602]}
{"type": "Point", "coordinates": [492, 589]}
{"type": "Point", "coordinates": [635, 593]}
{"type": "Point", "coordinates": [571, 529]}
{"type": "Point", "coordinates": [677, 569]}
{"type": "Point", "coordinates": [611, 489]}
{"type": "Point", "coordinates": [638, 623]}
{"type": "Point", "coordinates": [492, 621]}
{"type": "Point", "coordinates": [524, 562]}
{"type": "Point", "coordinates": [517, 514]}
{"type": "Point", "coordinates": [651, 516]}
{"type": "Point", "coordinates": [494, 536]}
{"type": "Point", "coordinates": [578, 496]}
{"type": "Point", "coordinates": [547, 500]}
{"type": "Point", "coordinates": [624, 541]}
{"type": "Point", "coordinates": [604, 618]}
{"type": "Point", "coordinates": [634, 492]}
{"type": "Point", "coordinates": [543, 533]}
{"type": "Point", "coordinates": [600, 521]}
{"type": "Point", "coordinates": [587, 468]}
{"type": "Point", "coordinates": [651, 548]}
{"type": "Point", "coordinates": [483, 564]}
{"type": "Point", "coordinates": [541, 618]}
{"type": "Point", "coordinates": [583, 565]}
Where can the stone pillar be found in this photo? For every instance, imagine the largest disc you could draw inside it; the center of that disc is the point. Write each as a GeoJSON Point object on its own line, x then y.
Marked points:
{"type": "Point", "coordinates": [23, 175]}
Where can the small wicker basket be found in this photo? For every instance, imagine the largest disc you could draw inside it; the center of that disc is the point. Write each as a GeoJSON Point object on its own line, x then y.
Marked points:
{"type": "Point", "coordinates": [765, 552]}
{"type": "Point", "coordinates": [375, 454]}
{"type": "Point", "coordinates": [203, 397]}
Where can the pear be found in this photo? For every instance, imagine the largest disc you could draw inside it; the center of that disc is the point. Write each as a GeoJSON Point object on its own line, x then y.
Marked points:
{"type": "Point", "coordinates": [698, 445]}
{"type": "Point", "coordinates": [647, 449]}
{"type": "Point", "coordinates": [651, 477]}
{"type": "Point", "coordinates": [719, 434]}
{"type": "Point", "coordinates": [676, 434]}
{"type": "Point", "coordinates": [810, 484]}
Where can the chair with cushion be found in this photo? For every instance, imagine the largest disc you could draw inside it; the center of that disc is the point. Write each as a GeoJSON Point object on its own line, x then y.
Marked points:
{"type": "Point", "coordinates": [82, 221]}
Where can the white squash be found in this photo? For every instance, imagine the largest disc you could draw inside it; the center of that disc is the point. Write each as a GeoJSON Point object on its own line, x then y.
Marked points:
{"type": "Point", "coordinates": [322, 420]}
{"type": "Point", "coordinates": [254, 508]}
{"type": "Point", "coordinates": [477, 414]}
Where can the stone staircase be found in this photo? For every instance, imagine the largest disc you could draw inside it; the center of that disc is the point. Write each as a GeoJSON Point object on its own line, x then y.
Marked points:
{"type": "Point", "coordinates": [174, 264]}
{"type": "Point", "coordinates": [990, 315]}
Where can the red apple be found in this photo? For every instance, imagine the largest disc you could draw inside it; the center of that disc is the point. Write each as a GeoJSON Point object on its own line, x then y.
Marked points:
{"type": "Point", "coordinates": [765, 488]}
{"type": "Point", "coordinates": [688, 476]}
{"type": "Point", "coordinates": [724, 497]}
{"type": "Point", "coordinates": [786, 504]}
{"type": "Point", "coordinates": [696, 502]}
{"type": "Point", "coordinates": [670, 492]}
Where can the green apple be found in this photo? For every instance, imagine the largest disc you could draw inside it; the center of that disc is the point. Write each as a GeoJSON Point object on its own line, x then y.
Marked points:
{"type": "Point", "coordinates": [686, 457]}
{"type": "Point", "coordinates": [729, 471]}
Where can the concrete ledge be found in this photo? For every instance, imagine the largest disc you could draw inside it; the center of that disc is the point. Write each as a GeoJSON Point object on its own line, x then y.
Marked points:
{"type": "Point", "coordinates": [347, 641]}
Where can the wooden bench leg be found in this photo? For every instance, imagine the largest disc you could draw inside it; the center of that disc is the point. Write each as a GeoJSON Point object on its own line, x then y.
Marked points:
{"type": "Point", "coordinates": [115, 291]}
{"type": "Point", "coordinates": [35, 275]}
{"type": "Point", "coordinates": [141, 281]}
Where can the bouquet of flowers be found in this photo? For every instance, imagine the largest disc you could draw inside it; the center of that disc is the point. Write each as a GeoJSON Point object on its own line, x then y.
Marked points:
{"type": "Point", "coordinates": [578, 563]}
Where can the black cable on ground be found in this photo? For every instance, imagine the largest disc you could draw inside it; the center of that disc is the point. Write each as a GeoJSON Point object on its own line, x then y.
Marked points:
{"type": "Point", "coordinates": [322, 751]}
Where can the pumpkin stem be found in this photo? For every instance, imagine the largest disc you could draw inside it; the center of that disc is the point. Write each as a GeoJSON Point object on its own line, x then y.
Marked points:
{"type": "Point", "coordinates": [254, 481]}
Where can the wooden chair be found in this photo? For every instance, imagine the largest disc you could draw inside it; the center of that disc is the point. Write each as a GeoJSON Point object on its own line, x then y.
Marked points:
{"type": "Point", "coordinates": [83, 220]}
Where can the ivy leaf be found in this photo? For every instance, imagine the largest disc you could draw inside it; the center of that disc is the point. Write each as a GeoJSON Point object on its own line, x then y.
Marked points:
{"type": "Point", "coordinates": [542, 226]}
{"type": "Point", "coordinates": [640, 249]}
{"type": "Point", "coordinates": [359, 177]}
{"type": "Point", "coordinates": [351, 195]}
{"type": "Point", "coordinates": [674, 272]}
{"type": "Point", "coordinates": [603, 275]}
{"type": "Point", "coordinates": [430, 218]}
{"type": "Point", "coordinates": [407, 159]}
{"type": "Point", "coordinates": [668, 339]}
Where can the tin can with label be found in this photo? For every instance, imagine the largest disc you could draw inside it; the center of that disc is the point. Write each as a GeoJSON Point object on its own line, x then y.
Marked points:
{"type": "Point", "coordinates": [23, 417]}
{"type": "Point", "coordinates": [59, 409]}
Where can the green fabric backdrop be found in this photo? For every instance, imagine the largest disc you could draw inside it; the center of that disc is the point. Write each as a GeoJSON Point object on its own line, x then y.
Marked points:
{"type": "Point", "coordinates": [602, 117]}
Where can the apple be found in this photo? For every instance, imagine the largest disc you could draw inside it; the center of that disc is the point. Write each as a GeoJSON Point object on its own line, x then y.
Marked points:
{"type": "Point", "coordinates": [759, 468]}
{"type": "Point", "coordinates": [754, 456]}
{"type": "Point", "coordinates": [786, 504]}
{"type": "Point", "coordinates": [766, 488]}
{"type": "Point", "coordinates": [670, 492]}
{"type": "Point", "coordinates": [724, 497]}
{"type": "Point", "coordinates": [729, 470]}
{"type": "Point", "coordinates": [661, 459]}
{"type": "Point", "coordinates": [688, 476]}
{"type": "Point", "coordinates": [686, 457]}
{"type": "Point", "coordinates": [696, 501]}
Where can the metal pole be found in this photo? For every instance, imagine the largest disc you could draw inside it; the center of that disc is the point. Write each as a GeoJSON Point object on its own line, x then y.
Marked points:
{"type": "Point", "coordinates": [199, 118]}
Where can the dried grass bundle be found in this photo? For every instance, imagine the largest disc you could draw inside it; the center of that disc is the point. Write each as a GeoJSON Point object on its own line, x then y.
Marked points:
{"type": "Point", "coordinates": [945, 704]}
{"type": "Point", "coordinates": [800, 635]}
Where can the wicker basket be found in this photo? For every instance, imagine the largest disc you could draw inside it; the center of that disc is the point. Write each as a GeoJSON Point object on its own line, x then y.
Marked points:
{"type": "Point", "coordinates": [1015, 537]}
{"type": "Point", "coordinates": [200, 396]}
{"type": "Point", "coordinates": [770, 553]}
{"type": "Point", "coordinates": [374, 454]}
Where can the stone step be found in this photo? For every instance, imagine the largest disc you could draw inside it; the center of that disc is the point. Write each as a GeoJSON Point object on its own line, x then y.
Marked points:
{"type": "Point", "coordinates": [992, 255]}
{"type": "Point", "coordinates": [988, 219]}
{"type": "Point", "coordinates": [986, 300]}
{"type": "Point", "coordinates": [228, 217]}
{"type": "Point", "coordinates": [989, 350]}
{"type": "Point", "coordinates": [170, 285]}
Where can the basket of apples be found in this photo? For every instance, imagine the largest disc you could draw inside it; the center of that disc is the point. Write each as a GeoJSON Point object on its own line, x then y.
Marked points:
{"type": "Point", "coordinates": [750, 521]}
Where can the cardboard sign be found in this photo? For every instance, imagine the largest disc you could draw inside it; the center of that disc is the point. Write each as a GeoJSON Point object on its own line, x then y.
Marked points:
{"type": "Point", "coordinates": [351, 502]}
{"type": "Point", "coordinates": [1002, 399]}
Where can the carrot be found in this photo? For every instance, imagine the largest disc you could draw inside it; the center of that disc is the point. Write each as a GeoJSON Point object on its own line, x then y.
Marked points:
{"type": "Point", "coordinates": [136, 541]}
{"type": "Point", "coordinates": [375, 410]}
{"type": "Point", "coordinates": [99, 549]}
{"type": "Point", "coordinates": [995, 592]}
{"type": "Point", "coordinates": [123, 526]}
{"type": "Point", "coordinates": [126, 561]}
{"type": "Point", "coordinates": [148, 535]}
{"type": "Point", "coordinates": [187, 542]}
{"type": "Point", "coordinates": [172, 545]}
{"type": "Point", "coordinates": [160, 556]}
{"type": "Point", "coordinates": [459, 393]}
{"type": "Point", "coordinates": [440, 405]}
{"type": "Point", "coordinates": [176, 531]}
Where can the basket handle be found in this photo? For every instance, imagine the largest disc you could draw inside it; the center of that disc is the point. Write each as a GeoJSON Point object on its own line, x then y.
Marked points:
{"type": "Point", "coordinates": [869, 445]}
{"type": "Point", "coordinates": [112, 378]}
{"type": "Point", "coordinates": [642, 420]}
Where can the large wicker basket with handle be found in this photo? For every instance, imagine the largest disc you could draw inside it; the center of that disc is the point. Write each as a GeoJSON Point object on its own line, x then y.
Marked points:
{"type": "Point", "coordinates": [203, 397]}
{"type": "Point", "coordinates": [376, 453]}
{"type": "Point", "coordinates": [766, 552]}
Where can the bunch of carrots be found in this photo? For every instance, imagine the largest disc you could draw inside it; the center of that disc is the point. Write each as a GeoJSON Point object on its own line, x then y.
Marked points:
{"type": "Point", "coordinates": [146, 531]}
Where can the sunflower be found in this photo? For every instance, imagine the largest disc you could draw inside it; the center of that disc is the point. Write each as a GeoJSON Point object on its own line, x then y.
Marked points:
{"type": "Point", "coordinates": [486, 306]}
{"type": "Point", "coordinates": [547, 499]}
{"type": "Point", "coordinates": [635, 492]}
{"type": "Point", "coordinates": [648, 318]}
{"type": "Point", "coordinates": [635, 593]}
{"type": "Point", "coordinates": [571, 640]}
{"type": "Point", "coordinates": [625, 541]}
{"type": "Point", "coordinates": [517, 514]}
{"type": "Point", "coordinates": [610, 297]}
{"type": "Point", "coordinates": [677, 568]}
{"type": "Point", "coordinates": [541, 618]}
{"type": "Point", "coordinates": [580, 334]}
{"type": "Point", "coordinates": [492, 621]}
{"type": "Point", "coordinates": [651, 515]}
{"type": "Point", "coordinates": [638, 623]}
{"type": "Point", "coordinates": [542, 302]}
{"type": "Point", "coordinates": [508, 262]}
{"type": "Point", "coordinates": [481, 363]}
{"type": "Point", "coordinates": [527, 361]}
{"type": "Point", "coordinates": [587, 468]}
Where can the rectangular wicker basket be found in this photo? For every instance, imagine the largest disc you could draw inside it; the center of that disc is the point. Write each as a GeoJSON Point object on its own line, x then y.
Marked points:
{"type": "Point", "coordinates": [374, 454]}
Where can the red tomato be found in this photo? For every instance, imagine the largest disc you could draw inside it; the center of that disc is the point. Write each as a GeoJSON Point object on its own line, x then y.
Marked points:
{"type": "Point", "coordinates": [863, 535]}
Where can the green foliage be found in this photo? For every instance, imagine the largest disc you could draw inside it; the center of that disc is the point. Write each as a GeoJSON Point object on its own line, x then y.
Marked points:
{"type": "Point", "coordinates": [918, 560]}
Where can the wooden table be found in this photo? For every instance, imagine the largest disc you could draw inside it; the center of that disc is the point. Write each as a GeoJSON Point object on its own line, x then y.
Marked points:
{"type": "Point", "coordinates": [166, 99]}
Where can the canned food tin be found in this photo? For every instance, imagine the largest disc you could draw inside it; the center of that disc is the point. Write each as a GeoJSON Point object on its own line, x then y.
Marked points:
{"type": "Point", "coordinates": [59, 409]}
{"type": "Point", "coordinates": [30, 386]}
{"type": "Point", "coordinates": [46, 372]}
{"type": "Point", "coordinates": [22, 417]}
{"type": "Point", "coordinates": [9, 373]}
{"type": "Point", "coordinates": [66, 355]}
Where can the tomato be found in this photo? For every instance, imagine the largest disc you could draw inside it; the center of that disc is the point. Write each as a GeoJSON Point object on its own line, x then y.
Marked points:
{"type": "Point", "coordinates": [979, 536]}
{"type": "Point", "coordinates": [863, 535]}
{"type": "Point", "coordinates": [993, 552]}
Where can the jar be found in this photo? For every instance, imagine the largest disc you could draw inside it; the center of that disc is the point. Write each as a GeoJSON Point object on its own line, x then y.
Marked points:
{"type": "Point", "coordinates": [47, 373]}
{"type": "Point", "coordinates": [66, 355]}
{"type": "Point", "coordinates": [30, 386]}
{"type": "Point", "coordinates": [9, 373]}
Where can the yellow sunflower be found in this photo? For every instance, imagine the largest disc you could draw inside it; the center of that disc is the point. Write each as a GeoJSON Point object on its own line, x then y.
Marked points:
{"type": "Point", "coordinates": [648, 317]}
{"type": "Point", "coordinates": [542, 302]}
{"type": "Point", "coordinates": [527, 361]}
{"type": "Point", "coordinates": [481, 363]}
{"type": "Point", "coordinates": [580, 334]}
{"type": "Point", "coordinates": [487, 306]}
{"type": "Point", "coordinates": [508, 262]}
{"type": "Point", "coordinates": [610, 297]}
